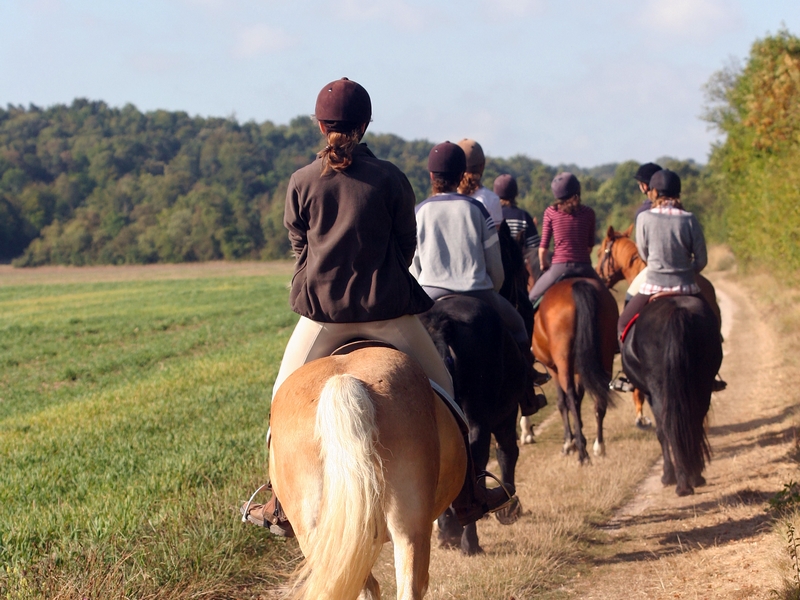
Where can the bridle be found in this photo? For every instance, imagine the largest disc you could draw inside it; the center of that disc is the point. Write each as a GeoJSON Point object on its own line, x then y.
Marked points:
{"type": "Point", "coordinates": [608, 266]}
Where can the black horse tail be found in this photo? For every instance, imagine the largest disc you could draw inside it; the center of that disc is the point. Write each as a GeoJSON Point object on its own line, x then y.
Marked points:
{"type": "Point", "coordinates": [588, 361]}
{"type": "Point", "coordinates": [684, 405]}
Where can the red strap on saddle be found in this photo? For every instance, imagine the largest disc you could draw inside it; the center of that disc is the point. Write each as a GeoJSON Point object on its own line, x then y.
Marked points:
{"type": "Point", "coordinates": [628, 327]}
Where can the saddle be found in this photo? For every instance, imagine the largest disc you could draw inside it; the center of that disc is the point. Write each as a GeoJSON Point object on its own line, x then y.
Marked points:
{"type": "Point", "coordinates": [652, 298]}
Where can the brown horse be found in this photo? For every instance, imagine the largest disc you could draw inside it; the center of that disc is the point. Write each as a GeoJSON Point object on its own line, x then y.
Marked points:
{"type": "Point", "coordinates": [619, 259]}
{"type": "Point", "coordinates": [575, 338]}
{"type": "Point", "coordinates": [363, 452]}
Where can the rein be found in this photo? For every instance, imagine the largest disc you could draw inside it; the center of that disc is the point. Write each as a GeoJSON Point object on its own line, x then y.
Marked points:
{"type": "Point", "coordinates": [608, 266]}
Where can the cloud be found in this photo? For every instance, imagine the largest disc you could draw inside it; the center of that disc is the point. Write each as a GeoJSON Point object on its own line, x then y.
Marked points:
{"type": "Point", "coordinates": [514, 8]}
{"type": "Point", "coordinates": [260, 39]}
{"type": "Point", "coordinates": [697, 19]}
{"type": "Point", "coordinates": [394, 12]}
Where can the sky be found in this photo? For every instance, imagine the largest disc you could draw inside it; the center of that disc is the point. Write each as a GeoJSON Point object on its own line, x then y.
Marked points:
{"type": "Point", "coordinates": [583, 82]}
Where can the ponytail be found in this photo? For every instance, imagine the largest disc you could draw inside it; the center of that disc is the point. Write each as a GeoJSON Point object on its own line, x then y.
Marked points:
{"type": "Point", "coordinates": [338, 154]}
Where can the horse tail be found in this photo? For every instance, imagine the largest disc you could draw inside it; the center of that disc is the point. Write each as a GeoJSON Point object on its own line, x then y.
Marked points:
{"type": "Point", "coordinates": [684, 407]}
{"type": "Point", "coordinates": [588, 356]}
{"type": "Point", "coordinates": [351, 526]}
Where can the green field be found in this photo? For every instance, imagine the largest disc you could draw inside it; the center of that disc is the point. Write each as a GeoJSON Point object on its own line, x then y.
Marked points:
{"type": "Point", "coordinates": [132, 422]}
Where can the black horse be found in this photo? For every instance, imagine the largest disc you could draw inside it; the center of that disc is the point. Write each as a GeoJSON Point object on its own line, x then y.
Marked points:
{"type": "Point", "coordinates": [489, 375]}
{"type": "Point", "coordinates": [672, 355]}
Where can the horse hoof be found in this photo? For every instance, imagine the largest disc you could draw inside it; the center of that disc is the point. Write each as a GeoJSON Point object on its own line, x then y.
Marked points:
{"type": "Point", "coordinates": [684, 491]}
{"type": "Point", "coordinates": [568, 447]}
{"type": "Point", "coordinates": [599, 449]}
{"type": "Point", "coordinates": [699, 481]}
{"type": "Point", "coordinates": [667, 480]}
{"type": "Point", "coordinates": [470, 551]}
{"type": "Point", "coordinates": [510, 514]}
{"type": "Point", "coordinates": [449, 542]}
{"type": "Point", "coordinates": [643, 423]}
{"type": "Point", "coordinates": [527, 438]}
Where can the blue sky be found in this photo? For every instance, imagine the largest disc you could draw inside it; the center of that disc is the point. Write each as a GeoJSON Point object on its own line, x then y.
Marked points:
{"type": "Point", "coordinates": [569, 81]}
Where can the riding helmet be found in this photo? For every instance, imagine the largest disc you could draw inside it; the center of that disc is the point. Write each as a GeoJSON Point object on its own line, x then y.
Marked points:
{"type": "Point", "coordinates": [343, 105]}
{"type": "Point", "coordinates": [505, 186]}
{"type": "Point", "coordinates": [667, 183]}
{"type": "Point", "coordinates": [447, 159]}
{"type": "Point", "coordinates": [475, 156]}
{"type": "Point", "coordinates": [645, 172]}
{"type": "Point", "coordinates": [565, 185]}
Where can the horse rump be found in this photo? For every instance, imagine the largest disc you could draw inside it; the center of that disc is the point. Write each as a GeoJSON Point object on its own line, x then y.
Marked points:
{"type": "Point", "coordinates": [595, 377]}
{"type": "Point", "coordinates": [351, 526]}
{"type": "Point", "coordinates": [674, 356]}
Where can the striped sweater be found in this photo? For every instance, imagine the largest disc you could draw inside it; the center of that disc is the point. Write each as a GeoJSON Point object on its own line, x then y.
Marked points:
{"type": "Point", "coordinates": [573, 234]}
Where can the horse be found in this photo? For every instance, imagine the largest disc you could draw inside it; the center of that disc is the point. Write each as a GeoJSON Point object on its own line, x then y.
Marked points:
{"type": "Point", "coordinates": [672, 355]}
{"type": "Point", "coordinates": [618, 259]}
{"type": "Point", "coordinates": [489, 376]}
{"type": "Point", "coordinates": [575, 338]}
{"type": "Point", "coordinates": [363, 452]}
{"type": "Point", "coordinates": [516, 284]}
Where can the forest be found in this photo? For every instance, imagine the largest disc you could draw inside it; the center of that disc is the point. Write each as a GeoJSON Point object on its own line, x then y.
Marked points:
{"type": "Point", "coordinates": [93, 184]}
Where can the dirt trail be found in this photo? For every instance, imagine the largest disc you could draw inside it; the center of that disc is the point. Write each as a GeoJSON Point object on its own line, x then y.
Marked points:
{"type": "Point", "coordinates": [717, 543]}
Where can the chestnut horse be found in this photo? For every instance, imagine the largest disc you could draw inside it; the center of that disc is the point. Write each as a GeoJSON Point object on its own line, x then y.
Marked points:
{"type": "Point", "coordinates": [619, 259]}
{"type": "Point", "coordinates": [363, 452]}
{"type": "Point", "coordinates": [574, 336]}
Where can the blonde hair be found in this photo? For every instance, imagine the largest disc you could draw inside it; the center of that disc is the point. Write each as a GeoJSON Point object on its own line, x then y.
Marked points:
{"type": "Point", "coordinates": [658, 200]}
{"type": "Point", "coordinates": [338, 154]}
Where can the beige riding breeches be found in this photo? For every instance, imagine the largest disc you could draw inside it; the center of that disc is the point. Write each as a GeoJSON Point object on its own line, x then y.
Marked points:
{"type": "Point", "coordinates": [311, 340]}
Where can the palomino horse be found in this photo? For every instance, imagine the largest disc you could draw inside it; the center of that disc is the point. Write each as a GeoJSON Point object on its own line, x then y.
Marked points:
{"type": "Point", "coordinates": [574, 336]}
{"type": "Point", "coordinates": [363, 452]}
{"type": "Point", "coordinates": [489, 375]}
{"type": "Point", "coordinates": [619, 259]}
{"type": "Point", "coordinates": [672, 355]}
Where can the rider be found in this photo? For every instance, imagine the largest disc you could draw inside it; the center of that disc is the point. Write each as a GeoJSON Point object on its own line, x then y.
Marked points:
{"type": "Point", "coordinates": [458, 251]}
{"type": "Point", "coordinates": [571, 226]}
{"type": "Point", "coordinates": [471, 185]}
{"type": "Point", "coordinates": [643, 175]}
{"type": "Point", "coordinates": [352, 229]}
{"type": "Point", "coordinates": [517, 219]}
{"type": "Point", "coordinates": [670, 239]}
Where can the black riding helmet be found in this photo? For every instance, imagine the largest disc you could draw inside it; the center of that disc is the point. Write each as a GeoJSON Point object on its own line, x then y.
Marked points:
{"type": "Point", "coordinates": [645, 172]}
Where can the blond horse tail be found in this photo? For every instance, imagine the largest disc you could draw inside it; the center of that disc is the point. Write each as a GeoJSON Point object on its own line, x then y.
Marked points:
{"type": "Point", "coordinates": [351, 528]}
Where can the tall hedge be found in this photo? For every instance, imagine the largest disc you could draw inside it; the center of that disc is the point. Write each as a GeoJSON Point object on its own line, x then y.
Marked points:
{"type": "Point", "coordinates": [757, 168]}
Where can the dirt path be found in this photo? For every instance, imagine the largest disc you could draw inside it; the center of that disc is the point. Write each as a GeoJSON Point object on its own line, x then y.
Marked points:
{"type": "Point", "coordinates": [718, 543]}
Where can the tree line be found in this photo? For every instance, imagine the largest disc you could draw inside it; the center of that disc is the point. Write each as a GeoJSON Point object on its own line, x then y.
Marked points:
{"type": "Point", "coordinates": [93, 184]}
{"type": "Point", "coordinates": [756, 105]}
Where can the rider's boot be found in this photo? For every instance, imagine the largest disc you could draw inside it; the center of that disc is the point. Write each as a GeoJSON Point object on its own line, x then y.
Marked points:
{"type": "Point", "coordinates": [268, 515]}
{"type": "Point", "coordinates": [719, 384]}
{"type": "Point", "coordinates": [475, 499]}
{"type": "Point", "coordinates": [539, 377]}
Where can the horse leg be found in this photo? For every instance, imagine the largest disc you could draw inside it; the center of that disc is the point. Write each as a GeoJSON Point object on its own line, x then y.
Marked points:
{"type": "Point", "coordinates": [507, 456]}
{"type": "Point", "coordinates": [450, 531]}
{"type": "Point", "coordinates": [526, 431]}
{"type": "Point", "coordinates": [574, 398]}
{"type": "Point", "coordinates": [641, 422]}
{"type": "Point", "coordinates": [668, 474]}
{"type": "Point", "coordinates": [412, 551]}
{"type": "Point", "coordinates": [599, 448]}
{"type": "Point", "coordinates": [372, 589]}
{"type": "Point", "coordinates": [479, 440]}
{"type": "Point", "coordinates": [569, 440]}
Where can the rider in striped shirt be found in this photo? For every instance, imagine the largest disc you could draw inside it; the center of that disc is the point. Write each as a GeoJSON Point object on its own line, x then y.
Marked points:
{"type": "Point", "coordinates": [571, 226]}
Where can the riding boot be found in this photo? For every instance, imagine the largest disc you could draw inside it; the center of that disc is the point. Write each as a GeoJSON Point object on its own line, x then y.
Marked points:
{"type": "Point", "coordinates": [539, 377]}
{"type": "Point", "coordinates": [268, 515]}
{"type": "Point", "coordinates": [475, 499]}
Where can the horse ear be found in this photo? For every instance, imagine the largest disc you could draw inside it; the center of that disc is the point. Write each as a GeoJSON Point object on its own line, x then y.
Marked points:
{"type": "Point", "coordinates": [628, 231]}
{"type": "Point", "coordinates": [610, 232]}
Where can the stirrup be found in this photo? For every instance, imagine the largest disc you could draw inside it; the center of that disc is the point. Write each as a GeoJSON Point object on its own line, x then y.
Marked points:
{"type": "Point", "coordinates": [621, 383]}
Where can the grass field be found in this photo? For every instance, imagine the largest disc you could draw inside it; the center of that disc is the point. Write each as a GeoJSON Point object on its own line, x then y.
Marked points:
{"type": "Point", "coordinates": [133, 410]}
